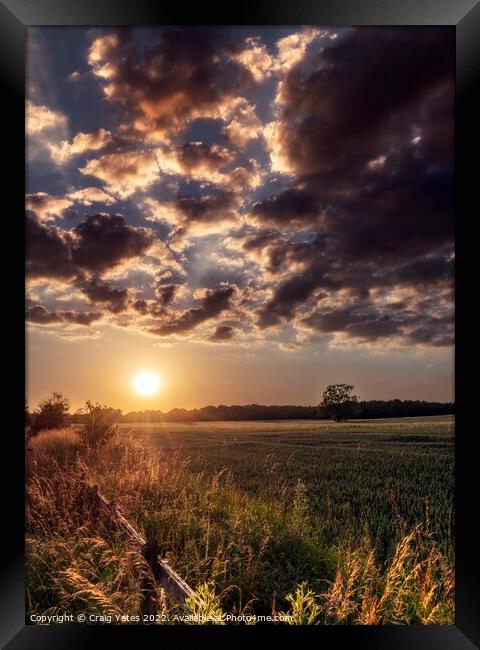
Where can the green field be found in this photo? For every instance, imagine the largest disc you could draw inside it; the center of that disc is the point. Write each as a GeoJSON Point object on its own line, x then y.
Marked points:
{"type": "Point", "coordinates": [375, 477]}
{"type": "Point", "coordinates": [332, 523]}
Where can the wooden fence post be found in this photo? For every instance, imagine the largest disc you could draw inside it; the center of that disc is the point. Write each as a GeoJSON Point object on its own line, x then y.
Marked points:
{"type": "Point", "coordinates": [157, 570]}
{"type": "Point", "coordinates": [148, 603]}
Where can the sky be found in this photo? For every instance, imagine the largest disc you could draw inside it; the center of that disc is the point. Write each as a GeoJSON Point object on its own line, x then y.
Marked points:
{"type": "Point", "coordinates": [250, 213]}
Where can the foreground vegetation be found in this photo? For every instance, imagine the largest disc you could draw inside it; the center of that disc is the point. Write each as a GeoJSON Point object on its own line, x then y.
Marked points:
{"type": "Point", "coordinates": [257, 547]}
{"type": "Point", "coordinates": [375, 478]}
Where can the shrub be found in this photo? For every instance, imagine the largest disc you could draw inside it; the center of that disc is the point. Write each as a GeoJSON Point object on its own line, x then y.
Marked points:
{"type": "Point", "coordinates": [52, 413]}
{"type": "Point", "coordinates": [97, 428]}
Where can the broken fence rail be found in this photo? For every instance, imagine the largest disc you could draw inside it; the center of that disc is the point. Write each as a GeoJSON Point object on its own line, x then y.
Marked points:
{"type": "Point", "coordinates": [161, 572]}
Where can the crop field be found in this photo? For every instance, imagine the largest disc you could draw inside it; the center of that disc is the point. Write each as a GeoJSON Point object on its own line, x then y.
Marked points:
{"type": "Point", "coordinates": [375, 477]}
{"type": "Point", "coordinates": [330, 523]}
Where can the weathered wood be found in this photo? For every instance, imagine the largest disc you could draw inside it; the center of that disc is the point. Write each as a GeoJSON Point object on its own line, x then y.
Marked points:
{"type": "Point", "coordinates": [169, 579]}
{"type": "Point", "coordinates": [173, 584]}
{"type": "Point", "coordinates": [147, 580]}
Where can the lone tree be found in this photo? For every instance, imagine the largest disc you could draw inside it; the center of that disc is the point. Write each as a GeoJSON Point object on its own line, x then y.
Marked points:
{"type": "Point", "coordinates": [52, 413]}
{"type": "Point", "coordinates": [338, 402]}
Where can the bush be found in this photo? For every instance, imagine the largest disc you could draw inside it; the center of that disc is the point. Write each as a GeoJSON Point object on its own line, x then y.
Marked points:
{"type": "Point", "coordinates": [97, 428]}
{"type": "Point", "coordinates": [52, 413]}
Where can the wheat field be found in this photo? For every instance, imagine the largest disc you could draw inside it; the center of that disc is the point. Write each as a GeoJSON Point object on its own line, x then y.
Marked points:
{"type": "Point", "coordinates": [242, 516]}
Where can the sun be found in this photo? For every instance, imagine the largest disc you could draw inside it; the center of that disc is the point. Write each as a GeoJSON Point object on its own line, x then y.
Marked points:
{"type": "Point", "coordinates": [146, 383]}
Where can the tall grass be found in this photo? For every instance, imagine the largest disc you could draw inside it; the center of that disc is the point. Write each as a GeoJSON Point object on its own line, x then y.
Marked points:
{"type": "Point", "coordinates": [242, 554]}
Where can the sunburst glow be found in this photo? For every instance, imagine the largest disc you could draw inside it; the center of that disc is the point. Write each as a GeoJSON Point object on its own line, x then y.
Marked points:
{"type": "Point", "coordinates": [146, 383]}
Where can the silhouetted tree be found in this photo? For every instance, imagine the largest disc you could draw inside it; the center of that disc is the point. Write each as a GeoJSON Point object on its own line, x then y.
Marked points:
{"type": "Point", "coordinates": [338, 402]}
{"type": "Point", "coordinates": [52, 413]}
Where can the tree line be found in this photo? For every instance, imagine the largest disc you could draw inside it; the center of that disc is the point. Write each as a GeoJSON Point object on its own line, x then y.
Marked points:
{"type": "Point", "coordinates": [338, 403]}
{"type": "Point", "coordinates": [371, 409]}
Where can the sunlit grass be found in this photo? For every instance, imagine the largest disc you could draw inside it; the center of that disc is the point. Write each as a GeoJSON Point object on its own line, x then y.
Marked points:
{"type": "Point", "coordinates": [242, 552]}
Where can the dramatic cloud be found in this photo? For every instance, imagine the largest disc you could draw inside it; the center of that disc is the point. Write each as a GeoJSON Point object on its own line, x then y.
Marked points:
{"type": "Point", "coordinates": [80, 318]}
{"type": "Point", "coordinates": [276, 252]}
{"type": "Point", "coordinates": [104, 241]}
{"type": "Point", "coordinates": [291, 208]}
{"type": "Point", "coordinates": [196, 160]}
{"type": "Point", "coordinates": [48, 251]}
{"type": "Point", "coordinates": [166, 293]}
{"type": "Point", "coordinates": [112, 298]}
{"type": "Point", "coordinates": [368, 323]}
{"type": "Point", "coordinates": [358, 98]}
{"type": "Point", "coordinates": [214, 303]}
{"type": "Point", "coordinates": [243, 124]}
{"type": "Point", "coordinates": [81, 143]}
{"type": "Point", "coordinates": [304, 178]}
{"type": "Point", "coordinates": [181, 75]}
{"type": "Point", "coordinates": [45, 128]}
{"type": "Point", "coordinates": [222, 333]}
{"type": "Point", "coordinates": [100, 243]}
{"type": "Point", "coordinates": [40, 315]}
{"type": "Point", "coordinates": [292, 48]}
{"type": "Point", "coordinates": [125, 172]}
{"type": "Point", "coordinates": [203, 214]}
{"type": "Point", "coordinates": [46, 207]}
{"type": "Point", "coordinates": [89, 195]}
{"type": "Point", "coordinates": [370, 157]}
{"type": "Point", "coordinates": [256, 58]}
{"type": "Point", "coordinates": [41, 118]}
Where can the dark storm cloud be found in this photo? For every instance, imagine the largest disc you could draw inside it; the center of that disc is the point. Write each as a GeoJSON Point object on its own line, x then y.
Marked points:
{"type": "Point", "coordinates": [42, 316]}
{"type": "Point", "coordinates": [363, 93]}
{"type": "Point", "coordinates": [282, 252]}
{"type": "Point", "coordinates": [406, 210]}
{"type": "Point", "coordinates": [365, 129]}
{"type": "Point", "coordinates": [100, 243]}
{"type": "Point", "coordinates": [354, 239]}
{"type": "Point", "coordinates": [142, 307]}
{"type": "Point", "coordinates": [181, 74]}
{"type": "Point", "coordinates": [432, 331]}
{"type": "Point", "coordinates": [48, 251]}
{"type": "Point", "coordinates": [292, 206]}
{"type": "Point", "coordinates": [260, 239]}
{"type": "Point", "coordinates": [200, 214]}
{"type": "Point", "coordinates": [195, 159]}
{"type": "Point", "coordinates": [433, 269]}
{"type": "Point", "coordinates": [113, 299]}
{"type": "Point", "coordinates": [166, 293]}
{"type": "Point", "coordinates": [366, 322]}
{"type": "Point", "coordinates": [222, 333]}
{"type": "Point", "coordinates": [205, 209]}
{"type": "Point", "coordinates": [215, 302]}
{"type": "Point", "coordinates": [81, 318]}
{"type": "Point", "coordinates": [326, 275]}
{"type": "Point", "coordinates": [286, 297]}
{"type": "Point", "coordinates": [357, 321]}
{"type": "Point", "coordinates": [105, 240]}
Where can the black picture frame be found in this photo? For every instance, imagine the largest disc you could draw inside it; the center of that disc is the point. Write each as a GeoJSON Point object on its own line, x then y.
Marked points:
{"type": "Point", "coordinates": [464, 15]}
